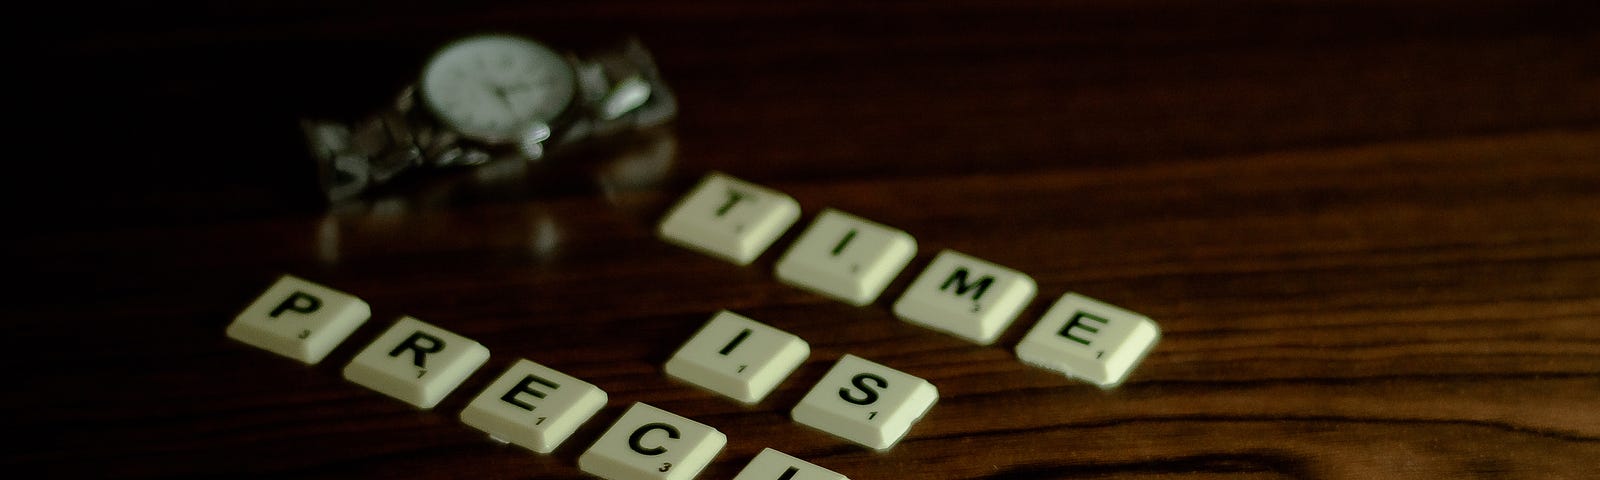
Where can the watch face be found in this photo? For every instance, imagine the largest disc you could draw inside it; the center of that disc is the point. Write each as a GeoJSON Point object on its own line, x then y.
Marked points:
{"type": "Point", "coordinates": [494, 88]}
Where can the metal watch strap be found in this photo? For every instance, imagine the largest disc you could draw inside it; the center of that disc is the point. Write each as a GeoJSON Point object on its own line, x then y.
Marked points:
{"type": "Point", "coordinates": [352, 158]}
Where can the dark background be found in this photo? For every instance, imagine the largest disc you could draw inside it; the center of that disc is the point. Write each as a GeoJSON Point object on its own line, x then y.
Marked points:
{"type": "Point", "coordinates": [1369, 230]}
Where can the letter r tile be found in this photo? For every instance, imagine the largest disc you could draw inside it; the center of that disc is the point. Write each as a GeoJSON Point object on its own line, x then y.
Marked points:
{"type": "Point", "coordinates": [416, 362]}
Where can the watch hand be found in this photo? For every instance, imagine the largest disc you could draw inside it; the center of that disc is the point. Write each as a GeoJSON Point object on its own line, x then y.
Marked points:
{"type": "Point", "coordinates": [506, 90]}
{"type": "Point", "coordinates": [500, 92]}
{"type": "Point", "coordinates": [505, 100]}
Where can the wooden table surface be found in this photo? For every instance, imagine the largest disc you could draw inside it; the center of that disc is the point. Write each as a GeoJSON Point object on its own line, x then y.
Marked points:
{"type": "Point", "coordinates": [1369, 231]}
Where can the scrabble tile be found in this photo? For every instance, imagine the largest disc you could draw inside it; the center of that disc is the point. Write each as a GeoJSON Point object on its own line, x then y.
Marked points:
{"type": "Point", "coordinates": [648, 443]}
{"type": "Point", "coordinates": [729, 218]}
{"type": "Point", "coordinates": [299, 319]}
{"type": "Point", "coordinates": [965, 297]}
{"type": "Point", "coordinates": [1089, 339]}
{"type": "Point", "coordinates": [775, 465]}
{"type": "Point", "coordinates": [846, 257]}
{"type": "Point", "coordinates": [416, 362]}
{"type": "Point", "coordinates": [738, 357]}
{"type": "Point", "coordinates": [534, 406]}
{"type": "Point", "coordinates": [866, 403]}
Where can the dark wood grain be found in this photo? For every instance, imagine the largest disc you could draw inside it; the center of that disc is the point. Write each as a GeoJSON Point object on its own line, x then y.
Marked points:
{"type": "Point", "coordinates": [1370, 232]}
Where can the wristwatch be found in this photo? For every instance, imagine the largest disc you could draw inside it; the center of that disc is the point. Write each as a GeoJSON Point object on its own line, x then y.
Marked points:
{"type": "Point", "coordinates": [489, 98]}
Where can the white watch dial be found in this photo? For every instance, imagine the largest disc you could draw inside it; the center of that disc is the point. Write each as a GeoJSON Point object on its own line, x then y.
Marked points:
{"type": "Point", "coordinates": [494, 88]}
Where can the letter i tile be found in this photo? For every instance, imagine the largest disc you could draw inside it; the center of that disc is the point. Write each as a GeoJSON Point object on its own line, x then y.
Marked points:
{"type": "Point", "coordinates": [775, 465]}
{"type": "Point", "coordinates": [846, 257]}
{"type": "Point", "coordinates": [738, 357]}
